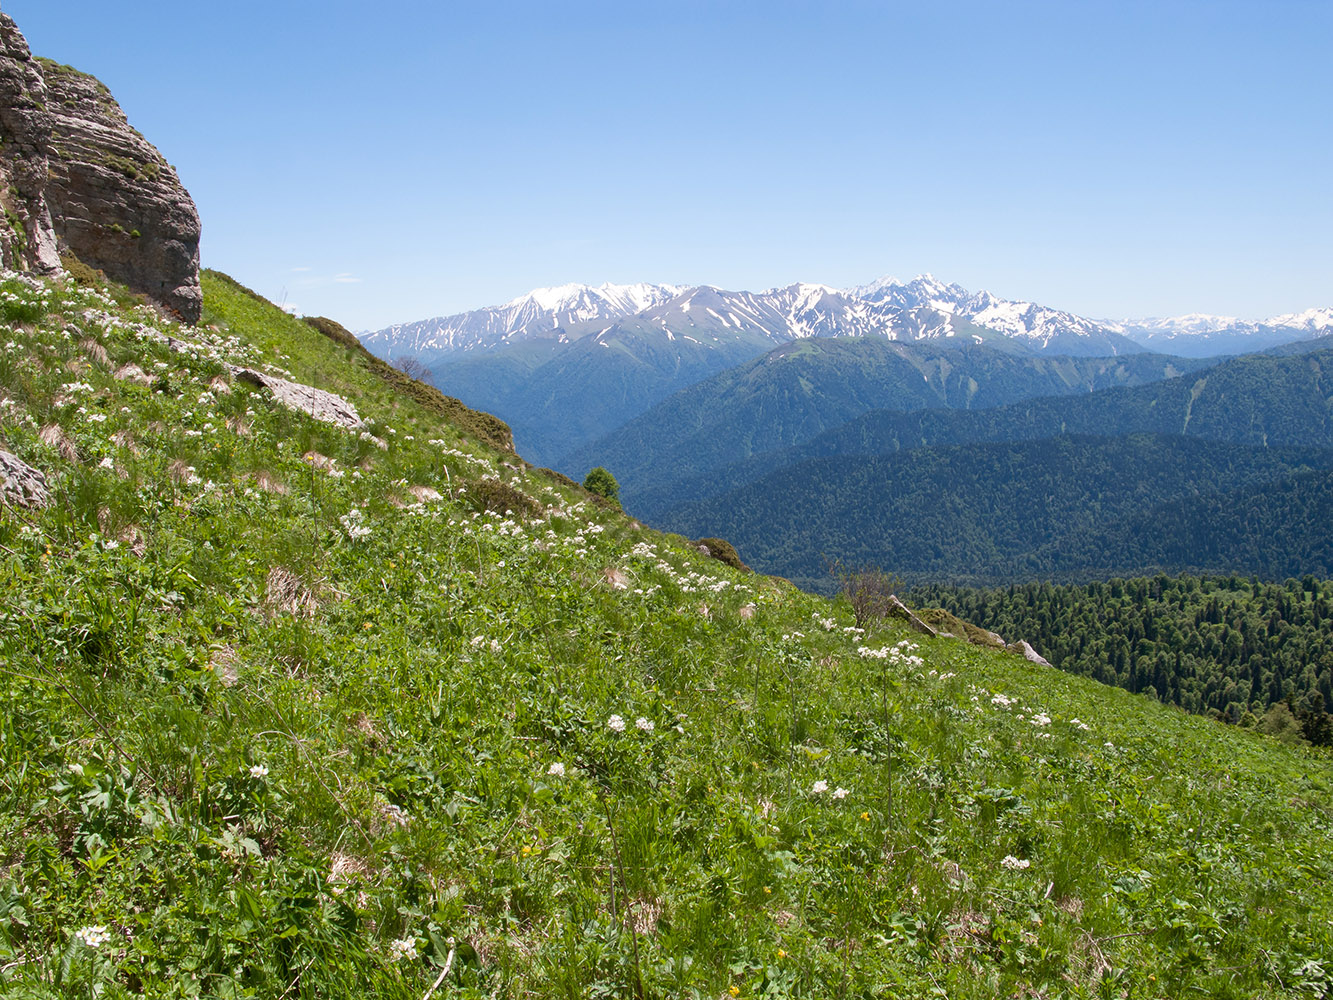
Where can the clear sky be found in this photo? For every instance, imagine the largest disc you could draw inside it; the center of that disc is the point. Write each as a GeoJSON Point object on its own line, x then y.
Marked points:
{"type": "Point", "coordinates": [389, 161]}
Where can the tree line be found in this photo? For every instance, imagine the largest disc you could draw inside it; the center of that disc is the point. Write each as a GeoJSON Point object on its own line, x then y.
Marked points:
{"type": "Point", "coordinates": [1249, 652]}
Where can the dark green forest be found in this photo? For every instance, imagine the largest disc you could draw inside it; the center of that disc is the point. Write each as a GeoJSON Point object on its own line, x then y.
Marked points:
{"type": "Point", "coordinates": [801, 389]}
{"type": "Point", "coordinates": [1067, 508]}
{"type": "Point", "coordinates": [1262, 401]}
{"type": "Point", "coordinates": [1250, 652]}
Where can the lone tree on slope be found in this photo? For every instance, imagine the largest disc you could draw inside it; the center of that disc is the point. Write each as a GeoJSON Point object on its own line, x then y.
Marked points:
{"type": "Point", "coordinates": [604, 484]}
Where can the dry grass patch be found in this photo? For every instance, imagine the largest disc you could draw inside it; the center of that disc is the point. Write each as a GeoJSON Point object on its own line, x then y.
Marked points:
{"type": "Point", "coordinates": [286, 593]}
{"type": "Point", "coordinates": [54, 437]}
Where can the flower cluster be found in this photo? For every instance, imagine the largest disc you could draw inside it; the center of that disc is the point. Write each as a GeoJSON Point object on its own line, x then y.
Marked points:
{"type": "Point", "coordinates": [352, 524]}
{"type": "Point", "coordinates": [478, 641]}
{"type": "Point", "coordinates": [93, 937]}
{"type": "Point", "coordinates": [404, 947]}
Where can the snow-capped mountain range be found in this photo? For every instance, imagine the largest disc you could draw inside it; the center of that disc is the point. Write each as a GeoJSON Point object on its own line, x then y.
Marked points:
{"type": "Point", "coordinates": [921, 309]}
{"type": "Point", "coordinates": [1198, 334]}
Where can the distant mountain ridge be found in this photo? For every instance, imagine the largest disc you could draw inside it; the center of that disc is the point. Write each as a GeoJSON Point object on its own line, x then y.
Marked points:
{"type": "Point", "coordinates": [797, 391]}
{"type": "Point", "coordinates": [924, 308]}
{"type": "Point", "coordinates": [1210, 471]}
{"type": "Point", "coordinates": [1199, 335]}
{"type": "Point", "coordinates": [564, 366]}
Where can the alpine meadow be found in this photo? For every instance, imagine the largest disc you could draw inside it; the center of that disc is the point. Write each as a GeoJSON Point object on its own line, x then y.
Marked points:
{"type": "Point", "coordinates": [652, 639]}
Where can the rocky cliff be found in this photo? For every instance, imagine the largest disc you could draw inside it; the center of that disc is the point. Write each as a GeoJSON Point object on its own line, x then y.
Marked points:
{"type": "Point", "coordinates": [79, 180]}
{"type": "Point", "coordinates": [27, 238]}
{"type": "Point", "coordinates": [116, 203]}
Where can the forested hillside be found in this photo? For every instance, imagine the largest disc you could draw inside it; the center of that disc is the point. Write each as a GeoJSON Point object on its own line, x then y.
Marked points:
{"type": "Point", "coordinates": [799, 390]}
{"type": "Point", "coordinates": [1065, 507]}
{"type": "Point", "coordinates": [1223, 644]}
{"type": "Point", "coordinates": [1259, 400]}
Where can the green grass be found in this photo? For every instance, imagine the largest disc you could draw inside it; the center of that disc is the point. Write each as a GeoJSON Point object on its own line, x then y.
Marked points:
{"type": "Point", "coordinates": [254, 744]}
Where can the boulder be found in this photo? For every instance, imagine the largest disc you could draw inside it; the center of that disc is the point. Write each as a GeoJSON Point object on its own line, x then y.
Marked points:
{"type": "Point", "coordinates": [20, 483]}
{"type": "Point", "coordinates": [1024, 650]}
{"type": "Point", "coordinates": [320, 404]}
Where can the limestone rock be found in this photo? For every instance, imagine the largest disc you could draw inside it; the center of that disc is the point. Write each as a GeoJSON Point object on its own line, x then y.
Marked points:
{"type": "Point", "coordinates": [1024, 650]}
{"type": "Point", "coordinates": [74, 176]}
{"type": "Point", "coordinates": [897, 609]}
{"type": "Point", "coordinates": [322, 405]}
{"type": "Point", "coordinates": [115, 202]}
{"type": "Point", "coordinates": [20, 483]}
{"type": "Point", "coordinates": [27, 236]}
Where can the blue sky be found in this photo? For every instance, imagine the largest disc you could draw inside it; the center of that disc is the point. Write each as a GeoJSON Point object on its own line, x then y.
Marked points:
{"type": "Point", "coordinates": [386, 162]}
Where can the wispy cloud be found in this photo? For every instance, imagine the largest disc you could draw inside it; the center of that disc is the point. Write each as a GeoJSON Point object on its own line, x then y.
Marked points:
{"type": "Point", "coordinates": [347, 279]}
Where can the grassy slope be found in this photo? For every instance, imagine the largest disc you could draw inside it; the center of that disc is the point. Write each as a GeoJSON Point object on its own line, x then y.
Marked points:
{"type": "Point", "coordinates": [251, 801]}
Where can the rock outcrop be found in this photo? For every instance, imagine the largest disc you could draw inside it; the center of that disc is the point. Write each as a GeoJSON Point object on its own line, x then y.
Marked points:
{"type": "Point", "coordinates": [20, 483]}
{"type": "Point", "coordinates": [27, 237]}
{"type": "Point", "coordinates": [115, 202]}
{"type": "Point", "coordinates": [1025, 650]}
{"type": "Point", "coordinates": [897, 609]}
{"type": "Point", "coordinates": [320, 404]}
{"type": "Point", "coordinates": [76, 178]}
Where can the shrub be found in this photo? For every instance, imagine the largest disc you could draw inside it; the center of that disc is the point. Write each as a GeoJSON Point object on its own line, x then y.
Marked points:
{"type": "Point", "coordinates": [81, 273]}
{"type": "Point", "coordinates": [497, 496]}
{"type": "Point", "coordinates": [723, 551]}
{"type": "Point", "coordinates": [559, 477]}
{"type": "Point", "coordinates": [1279, 722]}
{"type": "Point", "coordinates": [868, 590]}
{"type": "Point", "coordinates": [332, 329]}
{"type": "Point", "coordinates": [601, 483]}
{"type": "Point", "coordinates": [413, 367]}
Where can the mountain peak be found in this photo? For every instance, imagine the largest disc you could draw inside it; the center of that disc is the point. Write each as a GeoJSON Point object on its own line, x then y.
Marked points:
{"type": "Point", "coordinates": [626, 299]}
{"type": "Point", "coordinates": [1316, 320]}
{"type": "Point", "coordinates": [862, 291]}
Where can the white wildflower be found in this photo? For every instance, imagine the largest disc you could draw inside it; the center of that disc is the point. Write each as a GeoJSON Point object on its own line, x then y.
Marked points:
{"type": "Point", "coordinates": [258, 771]}
{"type": "Point", "coordinates": [819, 787]}
{"type": "Point", "coordinates": [94, 936]}
{"type": "Point", "coordinates": [351, 522]}
{"type": "Point", "coordinates": [616, 724]}
{"type": "Point", "coordinates": [840, 793]}
{"type": "Point", "coordinates": [645, 724]}
{"type": "Point", "coordinates": [403, 948]}
{"type": "Point", "coordinates": [106, 463]}
{"type": "Point", "coordinates": [1014, 864]}
{"type": "Point", "coordinates": [556, 770]}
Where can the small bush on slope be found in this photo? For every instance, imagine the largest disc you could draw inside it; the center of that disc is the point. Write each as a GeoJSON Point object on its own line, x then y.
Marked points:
{"type": "Point", "coordinates": [202, 793]}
